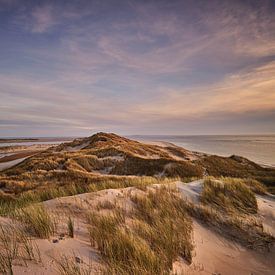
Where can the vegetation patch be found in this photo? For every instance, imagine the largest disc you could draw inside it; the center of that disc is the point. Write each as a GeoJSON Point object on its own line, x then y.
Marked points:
{"type": "Point", "coordinates": [229, 207]}
{"type": "Point", "coordinates": [248, 231]}
{"type": "Point", "coordinates": [83, 161]}
{"type": "Point", "coordinates": [149, 239]}
{"type": "Point", "coordinates": [16, 246]}
{"type": "Point", "coordinates": [37, 220]}
{"type": "Point", "coordinates": [229, 195]}
{"type": "Point", "coordinates": [10, 203]}
{"type": "Point", "coordinates": [70, 266]}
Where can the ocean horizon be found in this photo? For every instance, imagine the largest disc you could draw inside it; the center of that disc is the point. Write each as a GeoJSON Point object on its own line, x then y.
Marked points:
{"type": "Point", "coordinates": [258, 148]}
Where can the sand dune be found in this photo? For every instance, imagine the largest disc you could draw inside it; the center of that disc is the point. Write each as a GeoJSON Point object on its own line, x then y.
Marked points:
{"type": "Point", "coordinates": [102, 159]}
{"type": "Point", "coordinates": [214, 254]}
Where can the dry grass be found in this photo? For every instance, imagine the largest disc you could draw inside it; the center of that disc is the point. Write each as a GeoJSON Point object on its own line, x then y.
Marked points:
{"type": "Point", "coordinates": [15, 245]}
{"type": "Point", "coordinates": [70, 225]}
{"type": "Point", "coordinates": [135, 165]}
{"type": "Point", "coordinates": [123, 252]}
{"type": "Point", "coordinates": [229, 195]}
{"type": "Point", "coordinates": [106, 205]}
{"type": "Point", "coordinates": [254, 185]}
{"type": "Point", "coordinates": [246, 230]}
{"type": "Point", "coordinates": [69, 266]}
{"type": "Point", "coordinates": [110, 154]}
{"type": "Point", "coordinates": [170, 227]}
{"type": "Point", "coordinates": [156, 233]}
{"type": "Point", "coordinates": [9, 203]}
{"type": "Point", "coordinates": [236, 167]}
{"type": "Point", "coordinates": [37, 220]}
{"type": "Point", "coordinates": [229, 207]}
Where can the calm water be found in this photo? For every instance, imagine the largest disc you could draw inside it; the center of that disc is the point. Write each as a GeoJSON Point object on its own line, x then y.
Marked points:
{"type": "Point", "coordinates": [29, 143]}
{"type": "Point", "coordinates": [41, 140]}
{"type": "Point", "coordinates": [260, 149]}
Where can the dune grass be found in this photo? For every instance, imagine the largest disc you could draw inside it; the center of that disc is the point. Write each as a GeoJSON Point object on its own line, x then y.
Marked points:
{"type": "Point", "coordinates": [229, 195]}
{"type": "Point", "coordinates": [69, 266]}
{"type": "Point", "coordinates": [70, 225]}
{"type": "Point", "coordinates": [16, 246]}
{"type": "Point", "coordinates": [229, 207]}
{"type": "Point", "coordinates": [254, 185]}
{"type": "Point", "coordinates": [106, 205]}
{"type": "Point", "coordinates": [37, 220]}
{"type": "Point", "coordinates": [149, 240]}
{"type": "Point", "coordinates": [9, 203]}
{"type": "Point", "coordinates": [246, 230]}
{"type": "Point", "coordinates": [170, 227]}
{"type": "Point", "coordinates": [59, 170]}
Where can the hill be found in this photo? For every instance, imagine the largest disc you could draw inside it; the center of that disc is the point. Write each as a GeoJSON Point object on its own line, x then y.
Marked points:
{"type": "Point", "coordinates": [105, 156]}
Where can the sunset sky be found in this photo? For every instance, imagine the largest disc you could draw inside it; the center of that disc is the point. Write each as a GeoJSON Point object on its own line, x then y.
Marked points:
{"type": "Point", "coordinates": [72, 68]}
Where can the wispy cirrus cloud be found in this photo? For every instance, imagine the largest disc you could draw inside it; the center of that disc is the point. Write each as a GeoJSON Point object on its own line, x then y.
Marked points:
{"type": "Point", "coordinates": [238, 93]}
{"type": "Point", "coordinates": [138, 66]}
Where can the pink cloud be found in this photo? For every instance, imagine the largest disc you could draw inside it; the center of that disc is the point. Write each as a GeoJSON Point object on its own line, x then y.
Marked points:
{"type": "Point", "coordinates": [43, 19]}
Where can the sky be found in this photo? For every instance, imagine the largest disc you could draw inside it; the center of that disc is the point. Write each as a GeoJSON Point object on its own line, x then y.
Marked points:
{"type": "Point", "coordinates": [73, 68]}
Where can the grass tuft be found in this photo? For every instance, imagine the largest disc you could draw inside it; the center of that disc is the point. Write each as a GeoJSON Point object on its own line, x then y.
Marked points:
{"type": "Point", "coordinates": [229, 207]}
{"type": "Point", "coordinates": [37, 220]}
{"type": "Point", "coordinates": [229, 195]}
{"type": "Point", "coordinates": [158, 232]}
{"type": "Point", "coordinates": [70, 225]}
{"type": "Point", "coordinates": [69, 266]}
{"type": "Point", "coordinates": [15, 245]}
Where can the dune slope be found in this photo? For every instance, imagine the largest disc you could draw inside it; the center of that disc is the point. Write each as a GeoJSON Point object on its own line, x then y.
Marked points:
{"type": "Point", "coordinates": [85, 161]}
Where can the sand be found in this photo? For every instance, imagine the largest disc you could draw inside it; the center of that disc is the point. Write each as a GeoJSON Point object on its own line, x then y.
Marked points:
{"type": "Point", "coordinates": [214, 254]}
{"type": "Point", "coordinates": [217, 255]}
{"type": "Point", "coordinates": [8, 164]}
{"type": "Point", "coordinates": [13, 155]}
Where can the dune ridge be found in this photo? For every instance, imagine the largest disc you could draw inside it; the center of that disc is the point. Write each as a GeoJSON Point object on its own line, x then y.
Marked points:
{"type": "Point", "coordinates": [105, 156]}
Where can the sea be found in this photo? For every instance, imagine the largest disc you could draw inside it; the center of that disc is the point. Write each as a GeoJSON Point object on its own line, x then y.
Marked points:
{"type": "Point", "coordinates": [258, 148]}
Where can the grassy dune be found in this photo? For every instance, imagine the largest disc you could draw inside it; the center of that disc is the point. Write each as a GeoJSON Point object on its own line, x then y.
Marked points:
{"type": "Point", "coordinates": [229, 207]}
{"type": "Point", "coordinates": [229, 195]}
{"type": "Point", "coordinates": [144, 231]}
{"type": "Point", "coordinates": [108, 157]}
{"type": "Point", "coordinates": [9, 203]}
{"type": "Point", "coordinates": [148, 239]}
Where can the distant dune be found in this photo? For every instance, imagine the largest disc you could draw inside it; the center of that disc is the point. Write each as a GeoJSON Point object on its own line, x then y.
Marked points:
{"type": "Point", "coordinates": [106, 204]}
{"type": "Point", "coordinates": [104, 156]}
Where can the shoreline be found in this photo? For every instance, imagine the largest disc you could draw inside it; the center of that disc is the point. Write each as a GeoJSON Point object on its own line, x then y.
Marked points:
{"type": "Point", "coordinates": [166, 143]}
